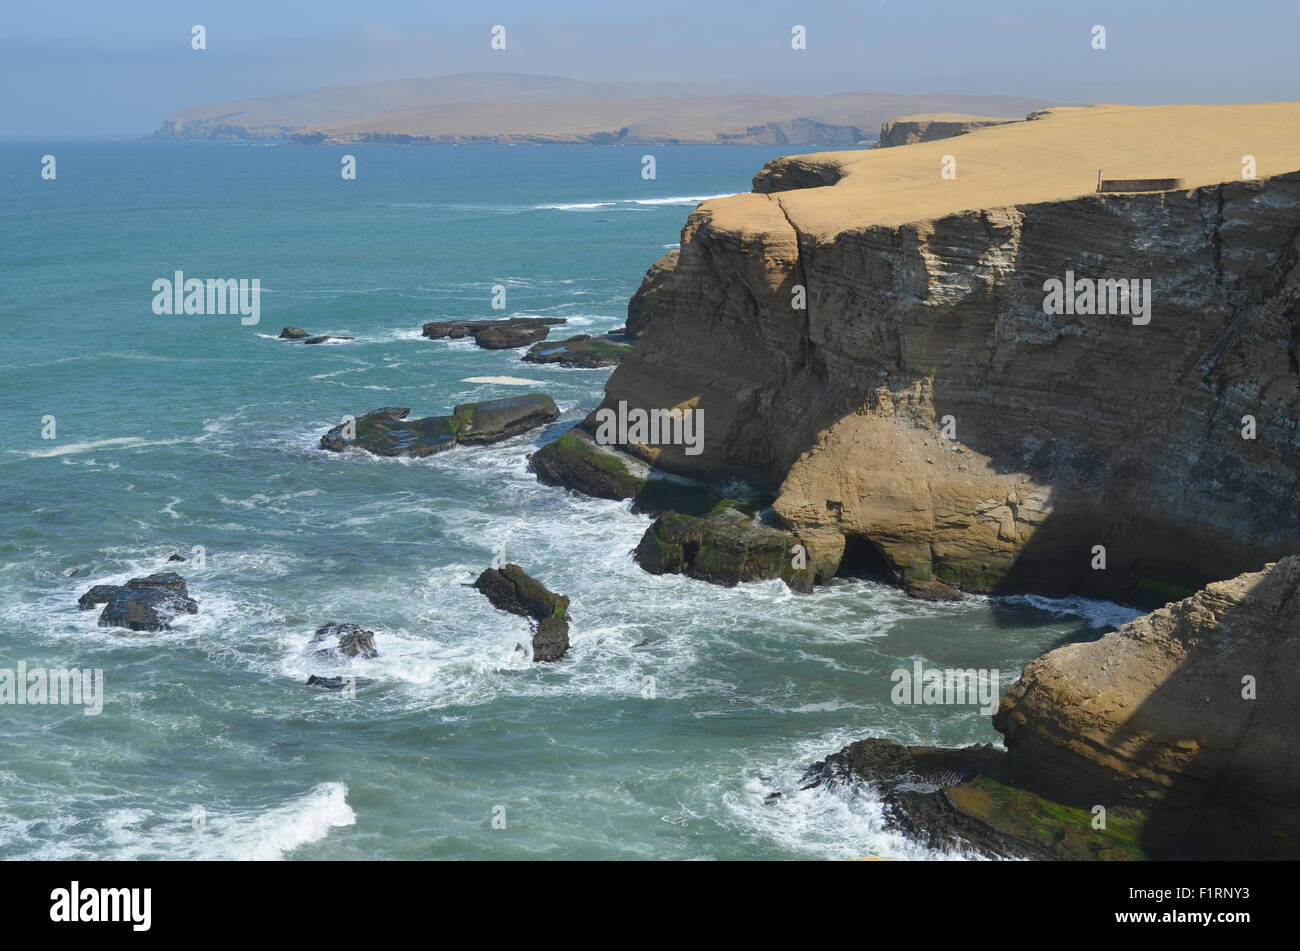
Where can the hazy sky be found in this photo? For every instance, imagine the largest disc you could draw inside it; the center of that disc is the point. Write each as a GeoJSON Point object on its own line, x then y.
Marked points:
{"type": "Point", "coordinates": [118, 67]}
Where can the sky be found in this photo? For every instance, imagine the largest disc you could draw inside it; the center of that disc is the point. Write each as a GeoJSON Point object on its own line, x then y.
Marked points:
{"type": "Point", "coordinates": [119, 67]}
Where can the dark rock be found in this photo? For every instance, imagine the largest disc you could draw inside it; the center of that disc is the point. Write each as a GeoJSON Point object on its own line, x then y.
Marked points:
{"type": "Point", "coordinates": [574, 461]}
{"type": "Point", "coordinates": [325, 338]}
{"type": "Point", "coordinates": [727, 547]}
{"type": "Point", "coordinates": [510, 337]}
{"type": "Point", "coordinates": [458, 329]}
{"type": "Point", "coordinates": [293, 333]}
{"type": "Point", "coordinates": [771, 798]}
{"type": "Point", "coordinates": [338, 683]}
{"type": "Point", "coordinates": [99, 594]}
{"type": "Point", "coordinates": [143, 604]}
{"type": "Point", "coordinates": [174, 557]}
{"type": "Point", "coordinates": [959, 799]}
{"type": "Point", "coordinates": [551, 640]}
{"type": "Point", "coordinates": [344, 641]}
{"type": "Point", "coordinates": [582, 351]}
{"type": "Point", "coordinates": [387, 431]}
{"type": "Point", "coordinates": [494, 420]}
{"type": "Point", "coordinates": [162, 579]}
{"type": "Point", "coordinates": [510, 588]}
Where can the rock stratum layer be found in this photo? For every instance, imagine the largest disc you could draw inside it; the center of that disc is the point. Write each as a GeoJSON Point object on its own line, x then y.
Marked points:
{"type": "Point", "coordinates": [925, 306]}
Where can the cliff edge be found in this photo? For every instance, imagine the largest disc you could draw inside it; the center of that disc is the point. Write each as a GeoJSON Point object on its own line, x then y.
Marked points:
{"type": "Point", "coordinates": [870, 338]}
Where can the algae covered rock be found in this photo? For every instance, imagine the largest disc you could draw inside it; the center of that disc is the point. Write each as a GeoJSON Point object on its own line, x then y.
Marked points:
{"type": "Point", "coordinates": [510, 588]}
{"type": "Point", "coordinates": [727, 547]}
{"type": "Point", "coordinates": [388, 431]}
{"type": "Point", "coordinates": [583, 351]}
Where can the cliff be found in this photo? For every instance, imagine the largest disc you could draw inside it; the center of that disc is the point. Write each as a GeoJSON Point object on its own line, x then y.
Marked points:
{"type": "Point", "coordinates": [925, 318]}
{"type": "Point", "coordinates": [1188, 714]}
{"type": "Point", "coordinates": [906, 130]}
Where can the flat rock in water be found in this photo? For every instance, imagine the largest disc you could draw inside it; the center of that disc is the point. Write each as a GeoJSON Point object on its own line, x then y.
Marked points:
{"type": "Point", "coordinates": [583, 351]}
{"type": "Point", "coordinates": [508, 338]}
{"type": "Point", "coordinates": [388, 432]}
{"type": "Point", "coordinates": [338, 683]}
{"type": "Point", "coordinates": [293, 333]}
{"type": "Point", "coordinates": [325, 338]}
{"type": "Point", "coordinates": [458, 329]}
{"type": "Point", "coordinates": [493, 420]}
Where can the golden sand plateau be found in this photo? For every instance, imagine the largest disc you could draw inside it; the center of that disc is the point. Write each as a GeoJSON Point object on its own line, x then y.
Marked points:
{"type": "Point", "coordinates": [1052, 158]}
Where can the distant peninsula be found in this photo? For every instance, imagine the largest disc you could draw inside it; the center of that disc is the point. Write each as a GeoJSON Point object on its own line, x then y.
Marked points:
{"type": "Point", "coordinates": [516, 108]}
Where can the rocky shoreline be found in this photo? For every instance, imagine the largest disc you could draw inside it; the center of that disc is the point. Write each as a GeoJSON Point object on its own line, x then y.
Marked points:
{"type": "Point", "coordinates": [925, 417]}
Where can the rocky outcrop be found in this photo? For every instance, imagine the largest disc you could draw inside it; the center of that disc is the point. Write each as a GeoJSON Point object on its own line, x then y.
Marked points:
{"type": "Point", "coordinates": [388, 432]}
{"type": "Point", "coordinates": [511, 589]}
{"type": "Point", "coordinates": [925, 403]}
{"type": "Point", "coordinates": [338, 683]}
{"type": "Point", "coordinates": [907, 130]}
{"type": "Point", "coordinates": [294, 333]}
{"type": "Point", "coordinates": [1188, 713]}
{"type": "Point", "coordinates": [728, 546]}
{"type": "Point", "coordinates": [334, 641]}
{"type": "Point", "coordinates": [142, 604]}
{"type": "Point", "coordinates": [494, 334]}
{"type": "Point", "coordinates": [583, 351]}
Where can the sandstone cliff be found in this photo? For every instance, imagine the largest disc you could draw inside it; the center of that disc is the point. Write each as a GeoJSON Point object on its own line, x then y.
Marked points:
{"type": "Point", "coordinates": [925, 307]}
{"type": "Point", "coordinates": [1188, 714]}
{"type": "Point", "coordinates": [906, 130]}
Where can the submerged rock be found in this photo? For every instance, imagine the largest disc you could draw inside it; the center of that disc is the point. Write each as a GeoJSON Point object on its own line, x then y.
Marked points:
{"type": "Point", "coordinates": [343, 641]}
{"type": "Point", "coordinates": [338, 683]}
{"type": "Point", "coordinates": [727, 547]}
{"type": "Point", "coordinates": [510, 588]}
{"type": "Point", "coordinates": [388, 432]}
{"type": "Point", "coordinates": [583, 351]}
{"type": "Point", "coordinates": [142, 604]}
{"type": "Point", "coordinates": [325, 338]}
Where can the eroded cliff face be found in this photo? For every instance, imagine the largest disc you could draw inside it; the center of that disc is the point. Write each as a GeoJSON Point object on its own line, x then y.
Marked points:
{"type": "Point", "coordinates": [1071, 431]}
{"type": "Point", "coordinates": [1188, 714]}
{"type": "Point", "coordinates": [907, 130]}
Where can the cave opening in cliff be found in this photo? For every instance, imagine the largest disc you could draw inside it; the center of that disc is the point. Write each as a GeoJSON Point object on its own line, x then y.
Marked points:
{"type": "Point", "coordinates": [863, 560]}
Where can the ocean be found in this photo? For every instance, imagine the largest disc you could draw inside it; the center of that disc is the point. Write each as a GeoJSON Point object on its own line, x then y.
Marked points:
{"type": "Point", "coordinates": [174, 432]}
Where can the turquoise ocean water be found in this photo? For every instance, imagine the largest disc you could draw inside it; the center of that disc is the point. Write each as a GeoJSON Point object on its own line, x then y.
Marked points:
{"type": "Point", "coordinates": [183, 431]}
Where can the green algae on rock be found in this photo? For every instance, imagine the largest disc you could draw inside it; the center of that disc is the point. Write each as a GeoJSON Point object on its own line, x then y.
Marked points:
{"type": "Point", "coordinates": [388, 432]}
